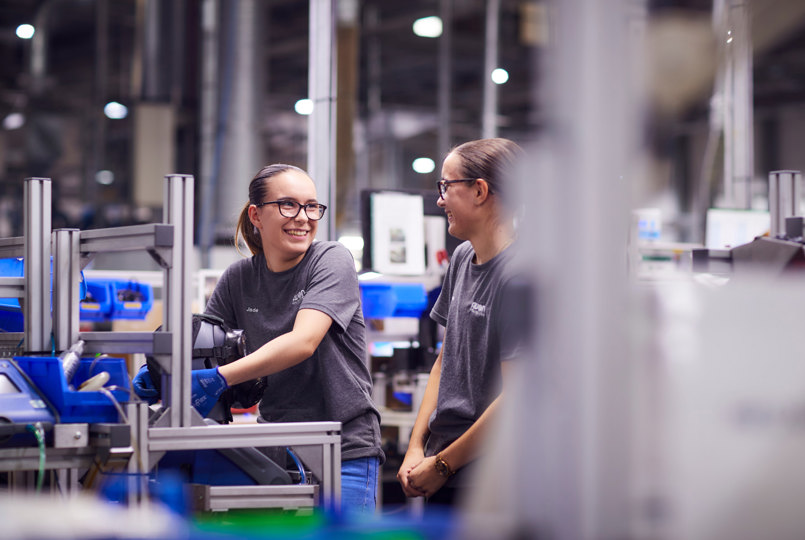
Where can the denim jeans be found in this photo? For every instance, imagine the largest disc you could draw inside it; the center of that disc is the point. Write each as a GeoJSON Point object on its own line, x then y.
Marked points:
{"type": "Point", "coordinates": [359, 484]}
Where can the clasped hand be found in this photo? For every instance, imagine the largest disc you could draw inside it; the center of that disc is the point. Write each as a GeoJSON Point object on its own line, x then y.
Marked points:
{"type": "Point", "coordinates": [418, 476]}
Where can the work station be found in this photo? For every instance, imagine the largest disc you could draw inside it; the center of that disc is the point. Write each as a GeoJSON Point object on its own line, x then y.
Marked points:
{"type": "Point", "coordinates": [433, 269]}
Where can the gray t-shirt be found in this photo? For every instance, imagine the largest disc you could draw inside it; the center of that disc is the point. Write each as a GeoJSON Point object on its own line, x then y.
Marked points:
{"type": "Point", "coordinates": [469, 307]}
{"type": "Point", "coordinates": [332, 385]}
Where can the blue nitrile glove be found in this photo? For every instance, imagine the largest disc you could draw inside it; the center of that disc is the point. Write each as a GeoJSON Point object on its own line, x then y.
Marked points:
{"type": "Point", "coordinates": [144, 386]}
{"type": "Point", "coordinates": [207, 385]}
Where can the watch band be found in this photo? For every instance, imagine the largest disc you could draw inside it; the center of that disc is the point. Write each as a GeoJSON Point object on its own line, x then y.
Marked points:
{"type": "Point", "coordinates": [442, 467]}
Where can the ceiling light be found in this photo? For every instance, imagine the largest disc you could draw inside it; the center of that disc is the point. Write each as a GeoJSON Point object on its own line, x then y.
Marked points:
{"type": "Point", "coordinates": [500, 76]}
{"type": "Point", "coordinates": [25, 31]}
{"type": "Point", "coordinates": [115, 110]}
{"type": "Point", "coordinates": [303, 107]}
{"type": "Point", "coordinates": [14, 120]}
{"type": "Point", "coordinates": [430, 27]}
{"type": "Point", "coordinates": [105, 177]}
{"type": "Point", "coordinates": [423, 165]}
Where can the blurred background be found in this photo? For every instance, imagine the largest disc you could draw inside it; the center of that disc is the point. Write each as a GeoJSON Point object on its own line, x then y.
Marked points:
{"type": "Point", "coordinates": [106, 97]}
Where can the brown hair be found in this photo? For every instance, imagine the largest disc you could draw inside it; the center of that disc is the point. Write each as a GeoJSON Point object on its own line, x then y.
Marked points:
{"type": "Point", "coordinates": [258, 188]}
{"type": "Point", "coordinates": [490, 159]}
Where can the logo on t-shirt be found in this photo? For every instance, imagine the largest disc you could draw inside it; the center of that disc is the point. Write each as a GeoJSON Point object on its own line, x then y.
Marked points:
{"type": "Point", "coordinates": [298, 297]}
{"type": "Point", "coordinates": [478, 309]}
{"type": "Point", "coordinates": [251, 310]}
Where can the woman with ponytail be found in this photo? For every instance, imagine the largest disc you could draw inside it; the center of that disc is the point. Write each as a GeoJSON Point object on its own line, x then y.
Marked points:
{"type": "Point", "coordinates": [298, 303]}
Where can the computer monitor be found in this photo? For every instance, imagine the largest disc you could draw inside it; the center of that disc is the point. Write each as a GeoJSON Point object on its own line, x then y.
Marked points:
{"type": "Point", "coordinates": [399, 237]}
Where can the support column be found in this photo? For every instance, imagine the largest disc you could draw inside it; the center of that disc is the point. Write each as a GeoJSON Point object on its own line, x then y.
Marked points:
{"type": "Point", "coordinates": [490, 114]}
{"type": "Point", "coordinates": [321, 138]}
{"type": "Point", "coordinates": [347, 47]}
{"type": "Point", "coordinates": [445, 80]}
{"type": "Point", "coordinates": [239, 111]}
{"type": "Point", "coordinates": [37, 230]}
{"type": "Point", "coordinates": [177, 316]}
{"type": "Point", "coordinates": [66, 287]}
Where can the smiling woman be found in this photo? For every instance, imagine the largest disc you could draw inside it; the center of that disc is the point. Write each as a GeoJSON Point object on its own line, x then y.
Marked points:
{"type": "Point", "coordinates": [298, 303]}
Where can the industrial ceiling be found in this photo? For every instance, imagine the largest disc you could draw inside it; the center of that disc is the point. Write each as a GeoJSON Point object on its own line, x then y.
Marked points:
{"type": "Point", "coordinates": [136, 51]}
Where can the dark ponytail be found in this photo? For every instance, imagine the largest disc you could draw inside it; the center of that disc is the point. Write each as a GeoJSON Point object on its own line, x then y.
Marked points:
{"type": "Point", "coordinates": [258, 188]}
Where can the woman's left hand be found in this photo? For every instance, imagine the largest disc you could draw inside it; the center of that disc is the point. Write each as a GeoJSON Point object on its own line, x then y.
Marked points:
{"type": "Point", "coordinates": [425, 478]}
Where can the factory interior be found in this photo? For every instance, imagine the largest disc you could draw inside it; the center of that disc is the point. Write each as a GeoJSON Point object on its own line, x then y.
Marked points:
{"type": "Point", "coordinates": [659, 393]}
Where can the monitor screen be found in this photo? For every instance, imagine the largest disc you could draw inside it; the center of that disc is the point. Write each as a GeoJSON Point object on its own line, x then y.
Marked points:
{"type": "Point", "coordinates": [433, 221]}
{"type": "Point", "coordinates": [7, 386]}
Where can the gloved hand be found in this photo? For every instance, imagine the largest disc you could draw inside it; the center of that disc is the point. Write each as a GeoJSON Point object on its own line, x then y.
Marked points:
{"type": "Point", "coordinates": [144, 386]}
{"type": "Point", "coordinates": [206, 385]}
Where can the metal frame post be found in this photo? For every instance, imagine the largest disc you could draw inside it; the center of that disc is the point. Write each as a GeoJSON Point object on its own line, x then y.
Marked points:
{"type": "Point", "coordinates": [37, 231]}
{"type": "Point", "coordinates": [785, 194]}
{"type": "Point", "coordinates": [321, 137]}
{"type": "Point", "coordinates": [489, 127]}
{"type": "Point", "coordinates": [66, 293]}
{"type": "Point", "coordinates": [177, 313]}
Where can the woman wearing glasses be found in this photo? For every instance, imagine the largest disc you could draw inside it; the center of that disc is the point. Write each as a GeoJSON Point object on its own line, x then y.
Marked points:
{"type": "Point", "coordinates": [465, 383]}
{"type": "Point", "coordinates": [299, 305]}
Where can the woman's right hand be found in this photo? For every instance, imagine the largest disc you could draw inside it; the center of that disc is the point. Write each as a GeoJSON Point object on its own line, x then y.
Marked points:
{"type": "Point", "coordinates": [413, 457]}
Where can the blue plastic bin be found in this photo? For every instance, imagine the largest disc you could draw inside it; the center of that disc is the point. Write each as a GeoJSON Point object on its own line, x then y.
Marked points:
{"type": "Point", "coordinates": [381, 300]}
{"type": "Point", "coordinates": [97, 304]}
{"type": "Point", "coordinates": [131, 300]}
{"type": "Point", "coordinates": [11, 317]}
{"type": "Point", "coordinates": [10, 310]}
{"type": "Point", "coordinates": [47, 374]}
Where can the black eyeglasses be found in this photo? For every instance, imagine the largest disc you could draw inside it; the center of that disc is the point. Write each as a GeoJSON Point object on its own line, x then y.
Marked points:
{"type": "Point", "coordinates": [442, 184]}
{"type": "Point", "coordinates": [291, 209]}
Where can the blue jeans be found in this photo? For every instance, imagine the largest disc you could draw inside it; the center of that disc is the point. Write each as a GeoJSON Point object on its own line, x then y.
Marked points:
{"type": "Point", "coordinates": [359, 484]}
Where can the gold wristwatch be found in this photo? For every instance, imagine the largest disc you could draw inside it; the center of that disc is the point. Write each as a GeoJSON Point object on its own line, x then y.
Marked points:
{"type": "Point", "coordinates": [442, 467]}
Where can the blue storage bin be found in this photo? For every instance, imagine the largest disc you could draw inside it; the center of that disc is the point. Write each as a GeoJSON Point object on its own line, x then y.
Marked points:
{"type": "Point", "coordinates": [131, 300]}
{"type": "Point", "coordinates": [11, 317]}
{"type": "Point", "coordinates": [47, 374]}
{"type": "Point", "coordinates": [97, 304]}
{"type": "Point", "coordinates": [381, 300]}
{"type": "Point", "coordinates": [10, 310]}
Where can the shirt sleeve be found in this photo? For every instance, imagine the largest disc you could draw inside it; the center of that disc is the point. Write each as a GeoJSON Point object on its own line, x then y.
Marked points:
{"type": "Point", "coordinates": [332, 287]}
{"type": "Point", "coordinates": [220, 302]}
{"type": "Point", "coordinates": [442, 305]}
{"type": "Point", "coordinates": [517, 318]}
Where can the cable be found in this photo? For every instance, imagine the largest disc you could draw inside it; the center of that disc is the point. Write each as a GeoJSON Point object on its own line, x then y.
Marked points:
{"type": "Point", "coordinates": [105, 391]}
{"type": "Point", "coordinates": [302, 475]}
{"type": "Point", "coordinates": [39, 434]}
{"type": "Point", "coordinates": [135, 447]}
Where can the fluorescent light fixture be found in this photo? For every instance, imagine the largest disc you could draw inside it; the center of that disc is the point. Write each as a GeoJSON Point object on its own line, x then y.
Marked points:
{"type": "Point", "coordinates": [429, 27]}
{"type": "Point", "coordinates": [500, 76]}
{"type": "Point", "coordinates": [115, 110]}
{"type": "Point", "coordinates": [423, 165]}
{"type": "Point", "coordinates": [303, 107]}
{"type": "Point", "coordinates": [14, 120]}
{"type": "Point", "coordinates": [25, 31]}
{"type": "Point", "coordinates": [105, 177]}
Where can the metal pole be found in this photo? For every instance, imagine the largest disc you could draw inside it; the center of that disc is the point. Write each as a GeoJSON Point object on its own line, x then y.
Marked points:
{"type": "Point", "coordinates": [177, 315]}
{"type": "Point", "coordinates": [445, 78]}
{"type": "Point", "coordinates": [209, 93]}
{"type": "Point", "coordinates": [490, 121]}
{"type": "Point", "coordinates": [742, 108]}
{"type": "Point", "coordinates": [37, 230]}
{"type": "Point", "coordinates": [241, 156]}
{"type": "Point", "coordinates": [321, 138]}
{"type": "Point", "coordinates": [66, 294]}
